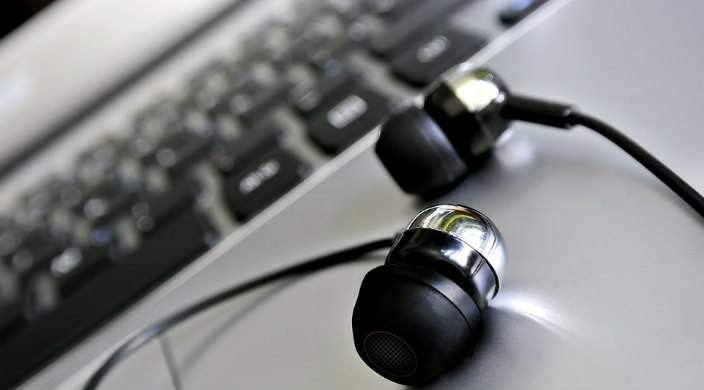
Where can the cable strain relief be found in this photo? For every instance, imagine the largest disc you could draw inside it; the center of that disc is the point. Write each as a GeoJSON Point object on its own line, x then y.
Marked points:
{"type": "Point", "coordinates": [538, 111]}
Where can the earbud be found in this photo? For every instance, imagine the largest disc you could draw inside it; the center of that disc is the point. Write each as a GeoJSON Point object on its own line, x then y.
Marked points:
{"type": "Point", "coordinates": [428, 147]}
{"type": "Point", "coordinates": [419, 313]}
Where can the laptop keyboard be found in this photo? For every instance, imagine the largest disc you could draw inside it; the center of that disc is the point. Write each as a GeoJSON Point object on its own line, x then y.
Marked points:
{"type": "Point", "coordinates": [79, 248]}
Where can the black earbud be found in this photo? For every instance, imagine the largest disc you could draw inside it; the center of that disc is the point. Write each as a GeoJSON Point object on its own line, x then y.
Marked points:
{"type": "Point", "coordinates": [419, 313]}
{"type": "Point", "coordinates": [428, 147]}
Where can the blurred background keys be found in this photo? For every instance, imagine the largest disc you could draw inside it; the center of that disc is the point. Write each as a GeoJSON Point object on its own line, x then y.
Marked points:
{"type": "Point", "coordinates": [152, 213]}
{"type": "Point", "coordinates": [10, 238]}
{"type": "Point", "coordinates": [105, 202]}
{"type": "Point", "coordinates": [327, 41]}
{"type": "Point", "coordinates": [262, 181]}
{"type": "Point", "coordinates": [35, 251]}
{"type": "Point", "coordinates": [10, 302]}
{"type": "Point", "coordinates": [518, 10]}
{"type": "Point", "coordinates": [328, 92]}
{"type": "Point", "coordinates": [159, 119]}
{"type": "Point", "coordinates": [253, 85]}
{"type": "Point", "coordinates": [391, 10]}
{"type": "Point", "coordinates": [411, 24]}
{"type": "Point", "coordinates": [209, 86]}
{"type": "Point", "coordinates": [184, 238]}
{"type": "Point", "coordinates": [177, 152]}
{"type": "Point", "coordinates": [354, 114]}
{"type": "Point", "coordinates": [263, 103]}
{"type": "Point", "coordinates": [41, 296]}
{"type": "Point", "coordinates": [233, 155]}
{"type": "Point", "coordinates": [75, 265]}
{"type": "Point", "coordinates": [11, 316]}
{"type": "Point", "coordinates": [430, 56]}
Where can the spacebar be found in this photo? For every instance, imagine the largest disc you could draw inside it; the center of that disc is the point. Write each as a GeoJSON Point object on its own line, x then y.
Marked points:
{"type": "Point", "coordinates": [166, 251]}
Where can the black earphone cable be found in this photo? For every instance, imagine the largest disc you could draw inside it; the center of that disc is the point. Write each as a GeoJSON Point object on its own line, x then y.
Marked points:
{"type": "Point", "coordinates": [151, 332]}
{"type": "Point", "coordinates": [565, 116]}
{"type": "Point", "coordinates": [655, 166]}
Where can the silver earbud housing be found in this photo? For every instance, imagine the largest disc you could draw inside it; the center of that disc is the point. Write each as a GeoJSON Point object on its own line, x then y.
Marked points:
{"type": "Point", "coordinates": [467, 105]}
{"type": "Point", "coordinates": [474, 229]}
{"type": "Point", "coordinates": [478, 89]}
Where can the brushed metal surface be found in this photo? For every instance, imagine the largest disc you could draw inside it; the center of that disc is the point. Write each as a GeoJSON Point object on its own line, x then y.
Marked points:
{"type": "Point", "coordinates": [604, 285]}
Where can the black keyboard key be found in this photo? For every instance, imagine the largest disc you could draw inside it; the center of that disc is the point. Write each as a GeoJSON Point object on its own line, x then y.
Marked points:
{"type": "Point", "coordinates": [190, 116]}
{"type": "Point", "coordinates": [263, 103]}
{"type": "Point", "coordinates": [180, 151]}
{"type": "Point", "coordinates": [197, 121]}
{"type": "Point", "coordinates": [75, 266]}
{"type": "Point", "coordinates": [240, 73]}
{"type": "Point", "coordinates": [119, 237]}
{"type": "Point", "coordinates": [354, 115]}
{"type": "Point", "coordinates": [152, 213]}
{"type": "Point", "coordinates": [263, 181]}
{"type": "Point", "coordinates": [10, 239]}
{"type": "Point", "coordinates": [392, 9]}
{"type": "Point", "coordinates": [35, 251]}
{"type": "Point", "coordinates": [518, 10]}
{"type": "Point", "coordinates": [323, 56]}
{"type": "Point", "coordinates": [429, 57]}
{"type": "Point", "coordinates": [11, 316]}
{"type": "Point", "coordinates": [362, 30]}
{"type": "Point", "coordinates": [159, 119]}
{"type": "Point", "coordinates": [233, 156]}
{"type": "Point", "coordinates": [323, 27]}
{"type": "Point", "coordinates": [9, 284]}
{"type": "Point", "coordinates": [10, 301]}
{"type": "Point", "coordinates": [300, 80]}
{"type": "Point", "coordinates": [107, 201]}
{"type": "Point", "coordinates": [272, 42]}
{"type": "Point", "coordinates": [41, 296]}
{"type": "Point", "coordinates": [70, 194]}
{"type": "Point", "coordinates": [400, 33]}
{"type": "Point", "coordinates": [254, 99]}
{"type": "Point", "coordinates": [64, 225]}
{"type": "Point", "coordinates": [345, 9]}
{"type": "Point", "coordinates": [142, 145]}
{"type": "Point", "coordinates": [249, 84]}
{"type": "Point", "coordinates": [209, 86]}
{"type": "Point", "coordinates": [39, 202]}
{"type": "Point", "coordinates": [102, 236]}
{"type": "Point", "coordinates": [98, 160]}
{"type": "Point", "coordinates": [169, 249]}
{"type": "Point", "coordinates": [328, 92]}
{"type": "Point", "coordinates": [325, 40]}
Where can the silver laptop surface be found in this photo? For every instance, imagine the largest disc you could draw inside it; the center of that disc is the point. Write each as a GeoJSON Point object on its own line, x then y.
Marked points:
{"type": "Point", "coordinates": [602, 287]}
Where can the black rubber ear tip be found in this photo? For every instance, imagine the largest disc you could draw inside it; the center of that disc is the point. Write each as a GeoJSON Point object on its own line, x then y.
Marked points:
{"type": "Point", "coordinates": [418, 155]}
{"type": "Point", "coordinates": [411, 324]}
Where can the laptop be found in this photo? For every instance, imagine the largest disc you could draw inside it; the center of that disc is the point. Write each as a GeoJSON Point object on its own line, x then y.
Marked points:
{"type": "Point", "coordinates": [157, 153]}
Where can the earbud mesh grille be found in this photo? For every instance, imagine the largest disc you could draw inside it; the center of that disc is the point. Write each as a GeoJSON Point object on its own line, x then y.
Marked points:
{"type": "Point", "coordinates": [390, 354]}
